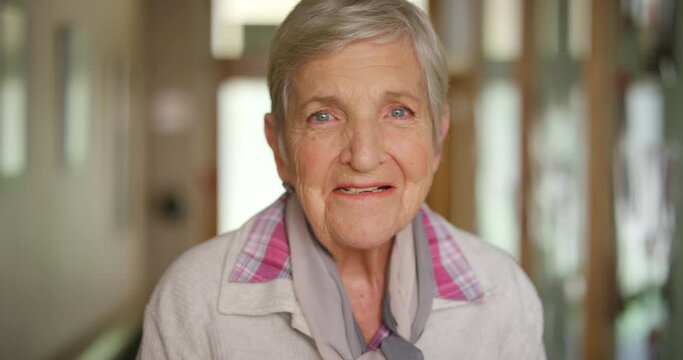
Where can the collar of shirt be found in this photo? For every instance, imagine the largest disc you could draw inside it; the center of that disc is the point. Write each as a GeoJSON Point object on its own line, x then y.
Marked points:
{"type": "Point", "coordinates": [264, 260]}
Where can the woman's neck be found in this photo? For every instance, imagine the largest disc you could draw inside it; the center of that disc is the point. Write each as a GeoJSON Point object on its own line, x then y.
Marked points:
{"type": "Point", "coordinates": [368, 264]}
{"type": "Point", "coordinates": [363, 273]}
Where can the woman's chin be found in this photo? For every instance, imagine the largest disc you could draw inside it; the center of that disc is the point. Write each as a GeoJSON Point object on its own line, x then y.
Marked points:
{"type": "Point", "coordinates": [363, 234]}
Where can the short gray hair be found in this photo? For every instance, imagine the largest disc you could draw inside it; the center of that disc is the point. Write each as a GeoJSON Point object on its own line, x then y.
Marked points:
{"type": "Point", "coordinates": [319, 27]}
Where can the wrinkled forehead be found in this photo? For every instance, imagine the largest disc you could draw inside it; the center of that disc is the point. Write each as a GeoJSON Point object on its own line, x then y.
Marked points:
{"type": "Point", "coordinates": [384, 64]}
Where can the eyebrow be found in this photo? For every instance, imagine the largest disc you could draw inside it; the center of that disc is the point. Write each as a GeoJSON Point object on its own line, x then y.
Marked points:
{"type": "Point", "coordinates": [319, 99]}
{"type": "Point", "coordinates": [334, 99]}
{"type": "Point", "coordinates": [394, 94]}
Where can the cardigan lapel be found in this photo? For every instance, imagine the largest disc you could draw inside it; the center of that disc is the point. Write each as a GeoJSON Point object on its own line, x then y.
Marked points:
{"type": "Point", "coordinates": [249, 285]}
{"type": "Point", "coordinates": [259, 299]}
{"type": "Point", "coordinates": [257, 279]}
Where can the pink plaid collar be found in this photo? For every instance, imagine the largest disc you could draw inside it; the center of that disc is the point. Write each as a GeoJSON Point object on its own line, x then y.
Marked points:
{"type": "Point", "coordinates": [265, 255]}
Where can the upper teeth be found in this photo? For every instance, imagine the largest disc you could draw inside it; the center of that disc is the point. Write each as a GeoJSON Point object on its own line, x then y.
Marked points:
{"type": "Point", "coordinates": [360, 190]}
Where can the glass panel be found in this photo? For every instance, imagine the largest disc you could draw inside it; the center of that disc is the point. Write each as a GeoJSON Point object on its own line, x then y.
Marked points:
{"type": "Point", "coordinates": [644, 216]}
{"type": "Point", "coordinates": [579, 28]}
{"type": "Point", "coordinates": [247, 176]}
{"type": "Point", "coordinates": [497, 132]}
{"type": "Point", "coordinates": [642, 213]}
{"type": "Point", "coordinates": [558, 150]}
{"type": "Point", "coordinates": [457, 22]}
{"type": "Point", "coordinates": [638, 328]}
{"type": "Point", "coordinates": [13, 91]}
{"type": "Point", "coordinates": [229, 17]}
{"type": "Point", "coordinates": [502, 26]}
{"type": "Point", "coordinates": [76, 92]}
{"type": "Point", "coordinates": [422, 4]}
{"type": "Point", "coordinates": [548, 19]}
{"type": "Point", "coordinates": [557, 209]}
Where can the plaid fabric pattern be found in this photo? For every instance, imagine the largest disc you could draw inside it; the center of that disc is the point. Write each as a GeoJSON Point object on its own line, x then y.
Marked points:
{"type": "Point", "coordinates": [265, 255]}
{"type": "Point", "coordinates": [380, 335]}
{"type": "Point", "coordinates": [453, 275]}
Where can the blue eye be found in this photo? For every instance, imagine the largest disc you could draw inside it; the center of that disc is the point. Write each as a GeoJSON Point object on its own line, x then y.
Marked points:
{"type": "Point", "coordinates": [322, 116]}
{"type": "Point", "coordinates": [399, 112]}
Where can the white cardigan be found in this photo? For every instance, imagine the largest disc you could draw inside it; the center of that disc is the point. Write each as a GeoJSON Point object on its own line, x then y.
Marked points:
{"type": "Point", "coordinates": [196, 313]}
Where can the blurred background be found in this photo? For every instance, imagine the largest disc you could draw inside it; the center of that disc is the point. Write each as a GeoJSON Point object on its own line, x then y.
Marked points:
{"type": "Point", "coordinates": [131, 130]}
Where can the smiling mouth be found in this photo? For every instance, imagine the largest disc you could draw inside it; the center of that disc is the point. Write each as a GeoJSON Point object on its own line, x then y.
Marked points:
{"type": "Point", "coordinates": [356, 191]}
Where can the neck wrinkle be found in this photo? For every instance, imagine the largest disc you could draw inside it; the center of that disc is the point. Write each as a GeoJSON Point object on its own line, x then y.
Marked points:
{"type": "Point", "coordinates": [363, 265]}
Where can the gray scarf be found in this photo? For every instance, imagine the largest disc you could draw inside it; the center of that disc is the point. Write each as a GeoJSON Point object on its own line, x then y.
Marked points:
{"type": "Point", "coordinates": [325, 305]}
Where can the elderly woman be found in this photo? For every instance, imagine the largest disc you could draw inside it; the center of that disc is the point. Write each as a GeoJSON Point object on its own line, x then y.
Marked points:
{"type": "Point", "coordinates": [349, 263]}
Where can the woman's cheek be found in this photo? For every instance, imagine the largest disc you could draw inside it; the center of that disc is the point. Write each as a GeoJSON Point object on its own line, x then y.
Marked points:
{"type": "Point", "coordinates": [311, 160]}
{"type": "Point", "coordinates": [415, 156]}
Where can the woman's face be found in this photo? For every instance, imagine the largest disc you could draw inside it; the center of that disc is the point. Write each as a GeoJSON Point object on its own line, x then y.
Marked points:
{"type": "Point", "coordinates": [358, 143]}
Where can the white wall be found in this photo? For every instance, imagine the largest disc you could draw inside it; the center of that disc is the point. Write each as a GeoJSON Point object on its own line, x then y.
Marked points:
{"type": "Point", "coordinates": [67, 267]}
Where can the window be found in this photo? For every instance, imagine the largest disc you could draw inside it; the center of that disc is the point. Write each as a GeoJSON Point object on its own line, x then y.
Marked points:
{"type": "Point", "coordinates": [247, 177]}
{"type": "Point", "coordinates": [13, 91]}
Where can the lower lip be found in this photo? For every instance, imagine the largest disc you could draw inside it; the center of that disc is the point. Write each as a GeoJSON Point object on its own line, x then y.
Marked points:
{"type": "Point", "coordinates": [367, 194]}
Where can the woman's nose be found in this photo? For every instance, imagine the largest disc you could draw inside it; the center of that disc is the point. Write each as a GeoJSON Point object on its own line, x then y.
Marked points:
{"type": "Point", "coordinates": [364, 150]}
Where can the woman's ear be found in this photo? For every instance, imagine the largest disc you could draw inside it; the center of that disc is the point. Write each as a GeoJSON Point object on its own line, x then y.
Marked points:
{"type": "Point", "coordinates": [273, 138]}
{"type": "Point", "coordinates": [443, 133]}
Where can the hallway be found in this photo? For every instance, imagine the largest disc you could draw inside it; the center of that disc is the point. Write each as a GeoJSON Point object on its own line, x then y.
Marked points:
{"type": "Point", "coordinates": [130, 131]}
